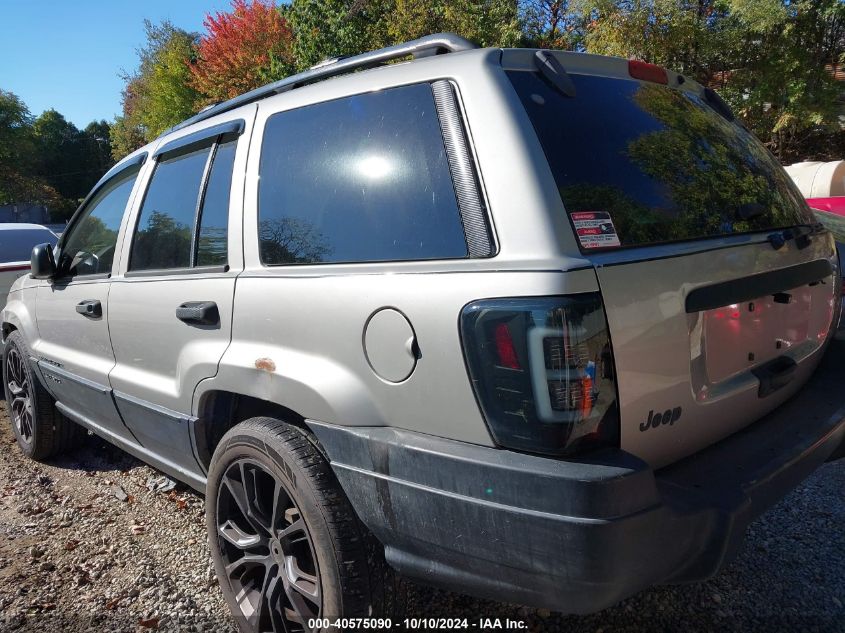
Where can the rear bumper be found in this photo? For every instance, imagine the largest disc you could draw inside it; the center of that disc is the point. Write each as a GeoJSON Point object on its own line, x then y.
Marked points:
{"type": "Point", "coordinates": [578, 536]}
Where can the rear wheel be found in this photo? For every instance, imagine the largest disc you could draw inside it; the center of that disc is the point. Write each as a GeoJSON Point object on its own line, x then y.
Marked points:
{"type": "Point", "coordinates": [287, 546]}
{"type": "Point", "coordinates": [40, 430]}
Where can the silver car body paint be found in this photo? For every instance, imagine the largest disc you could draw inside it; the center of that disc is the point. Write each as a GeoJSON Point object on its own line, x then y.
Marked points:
{"type": "Point", "coordinates": [294, 335]}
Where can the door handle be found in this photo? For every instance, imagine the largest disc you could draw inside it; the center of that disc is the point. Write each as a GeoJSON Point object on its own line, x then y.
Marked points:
{"type": "Point", "coordinates": [198, 313]}
{"type": "Point", "coordinates": [90, 308]}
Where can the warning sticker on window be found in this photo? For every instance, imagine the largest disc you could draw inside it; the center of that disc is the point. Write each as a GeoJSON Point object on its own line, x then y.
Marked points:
{"type": "Point", "coordinates": [594, 229]}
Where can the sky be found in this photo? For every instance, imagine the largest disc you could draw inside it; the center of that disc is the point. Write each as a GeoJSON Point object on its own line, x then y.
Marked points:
{"type": "Point", "coordinates": [68, 54]}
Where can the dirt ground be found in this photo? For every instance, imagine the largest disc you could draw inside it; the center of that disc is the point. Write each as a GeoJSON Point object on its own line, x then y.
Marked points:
{"type": "Point", "coordinates": [91, 542]}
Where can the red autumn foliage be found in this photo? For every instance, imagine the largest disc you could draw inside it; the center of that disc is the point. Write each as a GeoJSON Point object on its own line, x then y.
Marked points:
{"type": "Point", "coordinates": [242, 50]}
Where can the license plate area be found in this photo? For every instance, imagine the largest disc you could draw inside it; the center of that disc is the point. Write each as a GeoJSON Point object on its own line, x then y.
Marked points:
{"type": "Point", "coordinates": [741, 336]}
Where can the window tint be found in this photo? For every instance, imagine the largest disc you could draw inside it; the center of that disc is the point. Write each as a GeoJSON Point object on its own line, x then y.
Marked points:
{"type": "Point", "coordinates": [663, 164]}
{"type": "Point", "coordinates": [363, 178]}
{"type": "Point", "coordinates": [16, 244]}
{"type": "Point", "coordinates": [214, 221]}
{"type": "Point", "coordinates": [89, 246]}
{"type": "Point", "coordinates": [165, 226]}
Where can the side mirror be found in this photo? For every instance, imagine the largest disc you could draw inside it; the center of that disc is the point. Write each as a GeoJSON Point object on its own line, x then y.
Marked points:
{"type": "Point", "coordinates": [42, 262]}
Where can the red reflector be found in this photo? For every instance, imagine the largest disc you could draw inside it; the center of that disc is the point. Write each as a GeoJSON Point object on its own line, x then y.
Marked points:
{"type": "Point", "coordinates": [505, 348]}
{"type": "Point", "coordinates": [647, 72]}
{"type": "Point", "coordinates": [586, 396]}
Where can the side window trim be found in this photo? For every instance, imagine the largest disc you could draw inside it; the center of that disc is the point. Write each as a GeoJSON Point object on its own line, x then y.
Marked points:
{"type": "Point", "coordinates": [162, 272]}
{"type": "Point", "coordinates": [206, 175]}
{"type": "Point", "coordinates": [474, 215]}
{"type": "Point", "coordinates": [201, 137]}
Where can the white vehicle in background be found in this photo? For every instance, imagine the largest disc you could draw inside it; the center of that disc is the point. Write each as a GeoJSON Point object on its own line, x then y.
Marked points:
{"type": "Point", "coordinates": [16, 242]}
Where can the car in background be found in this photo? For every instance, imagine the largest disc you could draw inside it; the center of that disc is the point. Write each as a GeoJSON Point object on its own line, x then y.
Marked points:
{"type": "Point", "coordinates": [833, 219]}
{"type": "Point", "coordinates": [833, 204]}
{"type": "Point", "coordinates": [16, 242]}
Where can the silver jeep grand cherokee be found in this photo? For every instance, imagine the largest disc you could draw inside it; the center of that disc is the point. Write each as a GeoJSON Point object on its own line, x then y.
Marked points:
{"type": "Point", "coordinates": [513, 322]}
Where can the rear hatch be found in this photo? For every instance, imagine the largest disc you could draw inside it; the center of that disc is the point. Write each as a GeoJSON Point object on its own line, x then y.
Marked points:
{"type": "Point", "coordinates": [717, 281]}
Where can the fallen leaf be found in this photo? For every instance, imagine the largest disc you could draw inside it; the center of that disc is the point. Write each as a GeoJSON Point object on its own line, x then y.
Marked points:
{"type": "Point", "coordinates": [181, 504]}
{"type": "Point", "coordinates": [71, 545]}
{"type": "Point", "coordinates": [148, 623]}
{"type": "Point", "coordinates": [111, 604]}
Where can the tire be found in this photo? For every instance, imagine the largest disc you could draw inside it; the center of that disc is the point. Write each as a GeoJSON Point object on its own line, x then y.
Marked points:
{"type": "Point", "coordinates": [40, 429]}
{"type": "Point", "coordinates": [346, 570]}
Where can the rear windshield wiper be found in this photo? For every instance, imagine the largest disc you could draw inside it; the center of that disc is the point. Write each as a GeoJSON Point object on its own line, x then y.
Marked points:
{"type": "Point", "coordinates": [554, 73]}
{"type": "Point", "coordinates": [718, 104]}
{"type": "Point", "coordinates": [800, 233]}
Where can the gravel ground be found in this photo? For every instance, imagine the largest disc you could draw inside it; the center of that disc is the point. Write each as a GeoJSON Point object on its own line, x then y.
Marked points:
{"type": "Point", "coordinates": [86, 545]}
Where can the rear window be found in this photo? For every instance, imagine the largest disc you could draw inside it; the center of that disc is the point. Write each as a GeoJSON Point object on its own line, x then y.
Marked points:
{"type": "Point", "coordinates": [16, 244]}
{"type": "Point", "coordinates": [640, 163]}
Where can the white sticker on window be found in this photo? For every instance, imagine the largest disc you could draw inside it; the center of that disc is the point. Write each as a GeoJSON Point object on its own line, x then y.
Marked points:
{"type": "Point", "coordinates": [594, 229]}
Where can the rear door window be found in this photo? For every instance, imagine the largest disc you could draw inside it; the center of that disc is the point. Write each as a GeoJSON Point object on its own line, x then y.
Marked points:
{"type": "Point", "coordinates": [358, 179]}
{"type": "Point", "coordinates": [183, 222]}
{"type": "Point", "coordinates": [163, 235]}
{"type": "Point", "coordinates": [654, 164]}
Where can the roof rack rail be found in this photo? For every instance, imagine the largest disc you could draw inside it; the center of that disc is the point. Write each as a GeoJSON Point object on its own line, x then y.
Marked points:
{"type": "Point", "coordinates": [427, 46]}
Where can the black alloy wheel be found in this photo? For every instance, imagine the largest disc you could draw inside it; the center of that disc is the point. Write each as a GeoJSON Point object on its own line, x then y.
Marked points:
{"type": "Point", "coordinates": [289, 551]}
{"type": "Point", "coordinates": [19, 392]}
{"type": "Point", "coordinates": [267, 551]}
{"type": "Point", "coordinates": [40, 430]}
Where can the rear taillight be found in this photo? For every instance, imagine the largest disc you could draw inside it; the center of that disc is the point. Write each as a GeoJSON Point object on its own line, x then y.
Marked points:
{"type": "Point", "coordinates": [647, 72]}
{"type": "Point", "coordinates": [542, 370]}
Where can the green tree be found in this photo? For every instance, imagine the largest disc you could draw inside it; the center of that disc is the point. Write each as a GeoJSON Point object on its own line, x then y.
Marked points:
{"type": "Point", "coordinates": [126, 132]}
{"type": "Point", "coordinates": [330, 28]}
{"type": "Point", "coordinates": [70, 160]}
{"type": "Point", "coordinates": [18, 156]}
{"type": "Point", "coordinates": [96, 153]}
{"type": "Point", "coordinates": [60, 153]}
{"type": "Point", "coordinates": [17, 141]}
{"type": "Point", "coordinates": [486, 22]}
{"type": "Point", "coordinates": [779, 79]}
{"type": "Point", "coordinates": [553, 24]}
{"type": "Point", "coordinates": [688, 37]}
{"type": "Point", "coordinates": [770, 59]}
{"type": "Point", "coordinates": [158, 95]}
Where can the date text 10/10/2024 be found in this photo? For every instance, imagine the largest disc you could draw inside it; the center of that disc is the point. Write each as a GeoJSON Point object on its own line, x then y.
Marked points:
{"type": "Point", "coordinates": [408, 624]}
